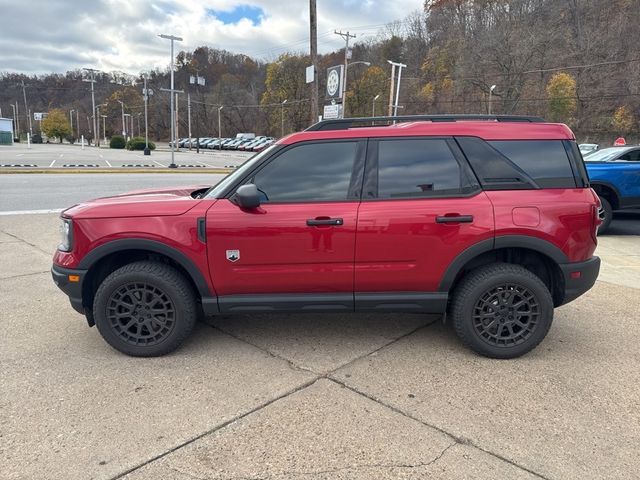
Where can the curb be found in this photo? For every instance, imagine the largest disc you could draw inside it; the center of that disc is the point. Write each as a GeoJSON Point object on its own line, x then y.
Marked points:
{"type": "Point", "coordinates": [9, 171]}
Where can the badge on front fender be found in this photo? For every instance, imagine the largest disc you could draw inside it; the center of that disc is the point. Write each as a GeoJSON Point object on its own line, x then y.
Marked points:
{"type": "Point", "coordinates": [233, 255]}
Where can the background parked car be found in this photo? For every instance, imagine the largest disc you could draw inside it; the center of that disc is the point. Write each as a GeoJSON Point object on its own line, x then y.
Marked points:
{"type": "Point", "coordinates": [614, 174]}
{"type": "Point", "coordinates": [587, 148]}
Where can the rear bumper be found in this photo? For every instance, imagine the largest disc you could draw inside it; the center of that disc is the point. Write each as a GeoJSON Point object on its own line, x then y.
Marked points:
{"type": "Point", "coordinates": [579, 277]}
{"type": "Point", "coordinates": [61, 277]}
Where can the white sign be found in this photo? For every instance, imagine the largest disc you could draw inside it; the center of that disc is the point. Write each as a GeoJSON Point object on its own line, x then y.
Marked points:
{"type": "Point", "coordinates": [309, 74]}
{"type": "Point", "coordinates": [39, 116]}
{"type": "Point", "coordinates": [332, 112]}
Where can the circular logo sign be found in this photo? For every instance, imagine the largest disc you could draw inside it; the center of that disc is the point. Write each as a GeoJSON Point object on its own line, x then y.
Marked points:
{"type": "Point", "coordinates": [333, 82]}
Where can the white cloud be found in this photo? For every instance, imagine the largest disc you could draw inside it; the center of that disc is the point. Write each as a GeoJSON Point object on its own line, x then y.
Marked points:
{"type": "Point", "coordinates": [41, 36]}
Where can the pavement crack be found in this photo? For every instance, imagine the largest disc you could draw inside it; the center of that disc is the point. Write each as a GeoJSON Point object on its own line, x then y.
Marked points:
{"type": "Point", "coordinates": [455, 438]}
{"type": "Point", "coordinates": [24, 275]}
{"type": "Point", "coordinates": [286, 394]}
{"type": "Point", "coordinates": [24, 241]}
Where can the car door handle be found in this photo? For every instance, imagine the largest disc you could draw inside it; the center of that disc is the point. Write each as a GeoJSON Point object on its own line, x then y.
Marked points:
{"type": "Point", "coordinates": [321, 221]}
{"type": "Point", "coordinates": [454, 219]}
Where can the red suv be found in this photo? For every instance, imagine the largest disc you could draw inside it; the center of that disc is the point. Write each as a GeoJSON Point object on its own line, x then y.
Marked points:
{"type": "Point", "coordinates": [490, 220]}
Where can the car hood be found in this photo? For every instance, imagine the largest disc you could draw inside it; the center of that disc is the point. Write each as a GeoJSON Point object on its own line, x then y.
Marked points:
{"type": "Point", "coordinates": [152, 202]}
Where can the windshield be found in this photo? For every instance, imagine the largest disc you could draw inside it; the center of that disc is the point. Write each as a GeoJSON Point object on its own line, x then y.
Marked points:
{"type": "Point", "coordinates": [605, 154]}
{"type": "Point", "coordinates": [222, 184]}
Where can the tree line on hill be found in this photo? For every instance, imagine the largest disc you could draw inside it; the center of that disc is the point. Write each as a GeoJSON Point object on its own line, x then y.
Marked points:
{"type": "Point", "coordinates": [572, 61]}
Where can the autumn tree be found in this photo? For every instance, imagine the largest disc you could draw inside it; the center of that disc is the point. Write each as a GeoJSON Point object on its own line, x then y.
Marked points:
{"type": "Point", "coordinates": [622, 120]}
{"type": "Point", "coordinates": [56, 124]}
{"type": "Point", "coordinates": [362, 91]}
{"type": "Point", "coordinates": [561, 93]}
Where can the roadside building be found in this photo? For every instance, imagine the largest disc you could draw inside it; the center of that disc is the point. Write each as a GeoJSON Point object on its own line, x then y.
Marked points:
{"type": "Point", "coordinates": [6, 131]}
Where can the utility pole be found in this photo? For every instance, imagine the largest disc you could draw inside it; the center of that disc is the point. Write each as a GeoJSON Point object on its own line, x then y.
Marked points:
{"type": "Point", "coordinates": [26, 108]}
{"type": "Point", "coordinates": [282, 117]}
{"type": "Point", "coordinates": [15, 131]}
{"type": "Point", "coordinates": [178, 117]}
{"type": "Point", "coordinates": [171, 90]}
{"type": "Point", "coordinates": [92, 80]}
{"type": "Point", "coordinates": [493, 87]}
{"type": "Point", "coordinates": [78, 122]}
{"type": "Point", "coordinates": [313, 21]}
{"type": "Point", "coordinates": [395, 105]}
{"type": "Point", "coordinates": [373, 110]}
{"type": "Point", "coordinates": [347, 54]}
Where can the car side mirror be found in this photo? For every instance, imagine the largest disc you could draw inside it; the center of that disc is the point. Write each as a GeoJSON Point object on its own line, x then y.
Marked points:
{"type": "Point", "coordinates": [247, 196]}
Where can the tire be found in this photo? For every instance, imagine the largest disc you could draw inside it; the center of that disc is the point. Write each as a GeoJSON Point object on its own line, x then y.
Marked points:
{"type": "Point", "coordinates": [605, 214]}
{"type": "Point", "coordinates": [168, 309]}
{"type": "Point", "coordinates": [496, 333]}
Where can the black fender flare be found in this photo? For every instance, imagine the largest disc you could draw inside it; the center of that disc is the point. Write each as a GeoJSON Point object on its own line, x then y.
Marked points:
{"type": "Point", "coordinates": [180, 258]}
{"type": "Point", "coordinates": [504, 241]}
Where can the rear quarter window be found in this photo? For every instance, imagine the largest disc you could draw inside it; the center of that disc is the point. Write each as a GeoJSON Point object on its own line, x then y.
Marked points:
{"type": "Point", "coordinates": [545, 161]}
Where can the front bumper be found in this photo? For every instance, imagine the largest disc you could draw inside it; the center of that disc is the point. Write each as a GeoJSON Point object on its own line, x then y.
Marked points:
{"type": "Point", "coordinates": [62, 277]}
{"type": "Point", "coordinates": [579, 277]}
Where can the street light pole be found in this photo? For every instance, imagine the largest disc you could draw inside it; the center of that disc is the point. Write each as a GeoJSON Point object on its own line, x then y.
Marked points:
{"type": "Point", "coordinates": [219, 128]}
{"type": "Point", "coordinates": [282, 117]}
{"type": "Point", "coordinates": [172, 38]}
{"type": "Point", "coordinates": [98, 121]}
{"type": "Point", "coordinates": [15, 131]}
{"type": "Point", "coordinates": [400, 67]}
{"type": "Point", "coordinates": [92, 80]}
{"type": "Point", "coordinates": [71, 119]}
{"type": "Point", "coordinates": [104, 128]}
{"type": "Point", "coordinates": [347, 36]}
{"type": "Point", "coordinates": [493, 87]}
{"type": "Point", "coordinates": [146, 92]}
{"type": "Point", "coordinates": [124, 127]}
{"type": "Point", "coordinates": [373, 110]}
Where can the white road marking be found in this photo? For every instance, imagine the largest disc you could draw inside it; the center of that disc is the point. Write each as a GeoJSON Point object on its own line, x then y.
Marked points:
{"type": "Point", "coordinates": [20, 155]}
{"type": "Point", "coordinates": [52, 163]}
{"type": "Point", "coordinates": [202, 163]}
{"type": "Point", "coordinates": [107, 162]}
{"type": "Point", "coordinates": [30, 212]}
{"type": "Point", "coordinates": [158, 163]}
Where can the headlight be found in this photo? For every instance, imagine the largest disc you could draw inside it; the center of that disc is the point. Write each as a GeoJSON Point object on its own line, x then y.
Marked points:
{"type": "Point", "coordinates": [66, 235]}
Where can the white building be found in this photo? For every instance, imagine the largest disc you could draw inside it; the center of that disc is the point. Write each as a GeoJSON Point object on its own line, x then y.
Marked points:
{"type": "Point", "coordinates": [6, 131]}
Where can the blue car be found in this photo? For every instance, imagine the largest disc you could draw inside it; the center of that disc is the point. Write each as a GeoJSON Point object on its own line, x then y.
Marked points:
{"type": "Point", "coordinates": [615, 176]}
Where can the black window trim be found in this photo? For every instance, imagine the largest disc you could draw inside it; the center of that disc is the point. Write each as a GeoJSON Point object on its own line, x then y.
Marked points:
{"type": "Point", "coordinates": [580, 174]}
{"type": "Point", "coordinates": [357, 171]}
{"type": "Point", "coordinates": [371, 170]}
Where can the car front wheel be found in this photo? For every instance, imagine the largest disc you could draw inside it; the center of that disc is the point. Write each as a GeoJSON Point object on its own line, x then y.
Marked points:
{"type": "Point", "coordinates": [145, 309]}
{"type": "Point", "coordinates": [501, 310]}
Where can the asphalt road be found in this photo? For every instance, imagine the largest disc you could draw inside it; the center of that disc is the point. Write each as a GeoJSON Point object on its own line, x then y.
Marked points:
{"type": "Point", "coordinates": [22, 192]}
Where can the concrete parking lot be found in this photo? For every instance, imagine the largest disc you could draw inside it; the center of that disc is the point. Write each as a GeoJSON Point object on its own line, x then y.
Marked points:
{"type": "Point", "coordinates": [56, 156]}
{"type": "Point", "coordinates": [315, 396]}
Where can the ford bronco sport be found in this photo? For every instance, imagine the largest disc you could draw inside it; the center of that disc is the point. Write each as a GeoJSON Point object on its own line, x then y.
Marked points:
{"type": "Point", "coordinates": [489, 219]}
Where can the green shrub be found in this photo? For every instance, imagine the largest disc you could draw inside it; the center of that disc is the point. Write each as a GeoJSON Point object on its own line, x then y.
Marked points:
{"type": "Point", "coordinates": [117, 141]}
{"type": "Point", "coordinates": [138, 143]}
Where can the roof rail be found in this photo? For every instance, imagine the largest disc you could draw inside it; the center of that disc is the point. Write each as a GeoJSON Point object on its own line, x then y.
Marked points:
{"type": "Point", "coordinates": [345, 123]}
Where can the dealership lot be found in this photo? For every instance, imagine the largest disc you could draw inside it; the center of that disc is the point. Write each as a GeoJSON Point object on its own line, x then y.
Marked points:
{"type": "Point", "coordinates": [315, 396]}
{"type": "Point", "coordinates": [74, 156]}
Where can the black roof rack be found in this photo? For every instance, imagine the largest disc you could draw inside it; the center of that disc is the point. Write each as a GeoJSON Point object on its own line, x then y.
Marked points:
{"type": "Point", "coordinates": [345, 123]}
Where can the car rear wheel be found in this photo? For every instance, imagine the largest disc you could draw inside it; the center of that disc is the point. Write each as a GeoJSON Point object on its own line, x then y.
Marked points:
{"type": "Point", "coordinates": [501, 310]}
{"type": "Point", "coordinates": [605, 212]}
{"type": "Point", "coordinates": [145, 309]}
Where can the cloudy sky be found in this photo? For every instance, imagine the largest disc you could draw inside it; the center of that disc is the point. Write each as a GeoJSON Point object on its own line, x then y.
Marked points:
{"type": "Point", "coordinates": [41, 36]}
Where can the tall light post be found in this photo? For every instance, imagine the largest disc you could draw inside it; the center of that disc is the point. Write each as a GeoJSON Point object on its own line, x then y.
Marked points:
{"type": "Point", "coordinates": [126, 117]}
{"type": "Point", "coordinates": [373, 110]}
{"type": "Point", "coordinates": [172, 38]}
{"type": "Point", "coordinates": [17, 120]}
{"type": "Point", "coordinates": [15, 131]}
{"type": "Point", "coordinates": [493, 87]}
{"type": "Point", "coordinates": [393, 69]}
{"type": "Point", "coordinates": [92, 80]}
{"type": "Point", "coordinates": [220, 128]}
{"type": "Point", "coordinates": [104, 128]}
{"type": "Point", "coordinates": [71, 119]}
{"type": "Point", "coordinates": [98, 121]}
{"type": "Point", "coordinates": [124, 127]}
{"type": "Point", "coordinates": [146, 92]}
{"type": "Point", "coordinates": [282, 117]}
